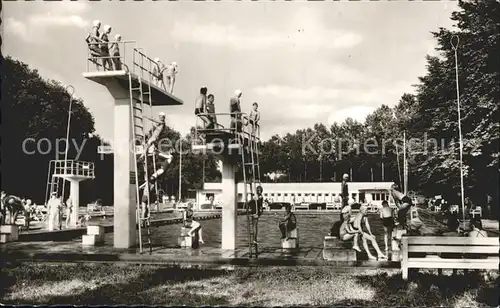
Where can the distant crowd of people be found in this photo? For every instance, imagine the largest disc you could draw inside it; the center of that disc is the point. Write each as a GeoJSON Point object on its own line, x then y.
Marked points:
{"type": "Point", "coordinates": [13, 207]}
{"type": "Point", "coordinates": [100, 47]}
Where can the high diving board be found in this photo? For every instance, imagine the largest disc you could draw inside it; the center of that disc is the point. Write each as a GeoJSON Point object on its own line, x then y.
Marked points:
{"type": "Point", "coordinates": [159, 97]}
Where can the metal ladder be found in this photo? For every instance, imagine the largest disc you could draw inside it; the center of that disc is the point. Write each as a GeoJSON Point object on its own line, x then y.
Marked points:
{"type": "Point", "coordinates": [53, 182]}
{"type": "Point", "coordinates": [140, 140]}
{"type": "Point", "coordinates": [250, 181]}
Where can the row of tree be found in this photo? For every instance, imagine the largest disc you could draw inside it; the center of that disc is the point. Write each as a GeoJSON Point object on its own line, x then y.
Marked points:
{"type": "Point", "coordinates": [368, 151]}
{"type": "Point", "coordinates": [429, 118]}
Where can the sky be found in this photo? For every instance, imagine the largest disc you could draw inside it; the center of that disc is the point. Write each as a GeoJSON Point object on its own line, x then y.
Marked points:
{"type": "Point", "coordinates": [304, 63]}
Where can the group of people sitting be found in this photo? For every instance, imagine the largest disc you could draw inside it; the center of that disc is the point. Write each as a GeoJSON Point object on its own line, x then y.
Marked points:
{"type": "Point", "coordinates": [473, 229]}
{"type": "Point", "coordinates": [205, 110]}
{"type": "Point", "coordinates": [100, 47]}
{"type": "Point", "coordinates": [354, 226]}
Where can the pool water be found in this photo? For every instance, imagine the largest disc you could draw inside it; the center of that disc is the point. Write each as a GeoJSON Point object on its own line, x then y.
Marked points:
{"type": "Point", "coordinates": [313, 227]}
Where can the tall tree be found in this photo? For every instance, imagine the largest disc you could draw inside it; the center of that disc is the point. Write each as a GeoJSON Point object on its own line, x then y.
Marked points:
{"type": "Point", "coordinates": [479, 82]}
{"type": "Point", "coordinates": [34, 121]}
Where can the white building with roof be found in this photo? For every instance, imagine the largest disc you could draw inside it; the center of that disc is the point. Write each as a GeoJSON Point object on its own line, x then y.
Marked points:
{"type": "Point", "coordinates": [362, 192]}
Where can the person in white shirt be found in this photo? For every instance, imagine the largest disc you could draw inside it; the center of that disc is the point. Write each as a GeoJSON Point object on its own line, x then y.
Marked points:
{"type": "Point", "coordinates": [158, 70]}
{"type": "Point", "coordinates": [171, 71]}
{"type": "Point", "coordinates": [69, 210]}
{"type": "Point", "coordinates": [54, 207]}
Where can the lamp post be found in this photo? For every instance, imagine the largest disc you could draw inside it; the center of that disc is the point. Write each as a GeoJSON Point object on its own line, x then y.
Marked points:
{"type": "Point", "coordinates": [405, 165]}
{"type": "Point", "coordinates": [70, 89]}
{"type": "Point", "coordinates": [180, 169]}
{"type": "Point", "coordinates": [455, 48]}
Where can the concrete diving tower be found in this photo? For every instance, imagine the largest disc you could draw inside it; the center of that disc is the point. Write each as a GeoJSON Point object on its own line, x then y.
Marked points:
{"type": "Point", "coordinates": [232, 147]}
{"type": "Point", "coordinates": [132, 87]}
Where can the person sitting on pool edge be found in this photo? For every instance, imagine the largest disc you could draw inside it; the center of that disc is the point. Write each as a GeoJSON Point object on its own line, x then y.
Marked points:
{"type": "Point", "coordinates": [361, 225]}
{"type": "Point", "coordinates": [347, 233]}
{"type": "Point", "coordinates": [189, 222]}
{"type": "Point", "coordinates": [288, 223]}
{"type": "Point", "coordinates": [476, 228]}
{"type": "Point", "coordinates": [345, 214]}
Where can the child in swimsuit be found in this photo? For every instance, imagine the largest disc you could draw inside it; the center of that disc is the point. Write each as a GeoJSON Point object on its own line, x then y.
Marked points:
{"type": "Point", "coordinates": [362, 226]}
{"type": "Point", "coordinates": [387, 222]}
{"type": "Point", "coordinates": [194, 225]}
{"type": "Point", "coordinates": [347, 233]}
{"type": "Point", "coordinates": [347, 228]}
{"type": "Point", "coordinates": [254, 119]}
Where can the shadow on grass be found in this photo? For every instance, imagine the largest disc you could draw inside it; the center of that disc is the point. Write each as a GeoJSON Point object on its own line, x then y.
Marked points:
{"type": "Point", "coordinates": [429, 289]}
{"type": "Point", "coordinates": [425, 289]}
{"type": "Point", "coordinates": [134, 287]}
{"type": "Point", "coordinates": [151, 285]}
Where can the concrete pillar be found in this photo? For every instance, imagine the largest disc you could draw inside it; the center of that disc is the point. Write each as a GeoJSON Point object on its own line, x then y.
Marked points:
{"type": "Point", "coordinates": [75, 200]}
{"type": "Point", "coordinates": [124, 219]}
{"type": "Point", "coordinates": [230, 206]}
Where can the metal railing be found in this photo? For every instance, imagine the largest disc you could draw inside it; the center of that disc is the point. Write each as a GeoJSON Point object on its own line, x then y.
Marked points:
{"type": "Point", "coordinates": [130, 58]}
{"type": "Point", "coordinates": [236, 122]}
{"type": "Point", "coordinates": [73, 168]}
{"type": "Point", "coordinates": [125, 48]}
{"type": "Point", "coordinates": [143, 66]}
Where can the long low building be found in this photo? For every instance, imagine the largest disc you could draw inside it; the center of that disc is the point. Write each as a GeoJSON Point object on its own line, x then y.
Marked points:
{"type": "Point", "coordinates": [362, 192]}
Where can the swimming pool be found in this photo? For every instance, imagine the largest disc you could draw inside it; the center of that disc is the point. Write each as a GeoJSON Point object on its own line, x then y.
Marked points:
{"type": "Point", "coordinates": [313, 227]}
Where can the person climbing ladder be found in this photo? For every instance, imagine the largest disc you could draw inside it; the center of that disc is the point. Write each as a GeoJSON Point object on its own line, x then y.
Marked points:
{"type": "Point", "coordinates": [153, 137]}
{"type": "Point", "coordinates": [403, 203]}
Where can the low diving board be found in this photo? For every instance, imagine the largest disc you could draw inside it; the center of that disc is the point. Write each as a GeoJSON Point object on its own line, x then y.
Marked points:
{"type": "Point", "coordinates": [221, 144]}
{"type": "Point", "coordinates": [159, 97]}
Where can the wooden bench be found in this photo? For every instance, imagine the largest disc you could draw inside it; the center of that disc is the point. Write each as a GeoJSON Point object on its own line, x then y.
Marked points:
{"type": "Point", "coordinates": [330, 206]}
{"type": "Point", "coordinates": [334, 206]}
{"type": "Point", "coordinates": [477, 211]}
{"type": "Point", "coordinates": [449, 253]}
{"type": "Point", "coordinates": [301, 206]}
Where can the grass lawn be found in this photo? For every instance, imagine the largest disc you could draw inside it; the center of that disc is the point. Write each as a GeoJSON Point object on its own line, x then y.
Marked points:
{"type": "Point", "coordinates": [103, 284]}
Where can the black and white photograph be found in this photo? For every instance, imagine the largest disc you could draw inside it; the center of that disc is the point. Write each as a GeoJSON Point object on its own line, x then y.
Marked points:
{"type": "Point", "coordinates": [264, 153]}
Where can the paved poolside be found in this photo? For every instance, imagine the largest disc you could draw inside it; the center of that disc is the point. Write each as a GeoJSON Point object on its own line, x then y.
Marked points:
{"type": "Point", "coordinates": [312, 229]}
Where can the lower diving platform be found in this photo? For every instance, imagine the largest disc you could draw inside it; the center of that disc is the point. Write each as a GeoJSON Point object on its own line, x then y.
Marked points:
{"type": "Point", "coordinates": [223, 141]}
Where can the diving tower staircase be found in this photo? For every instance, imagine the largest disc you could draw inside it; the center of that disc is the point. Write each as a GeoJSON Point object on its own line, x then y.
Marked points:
{"type": "Point", "coordinates": [135, 88]}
